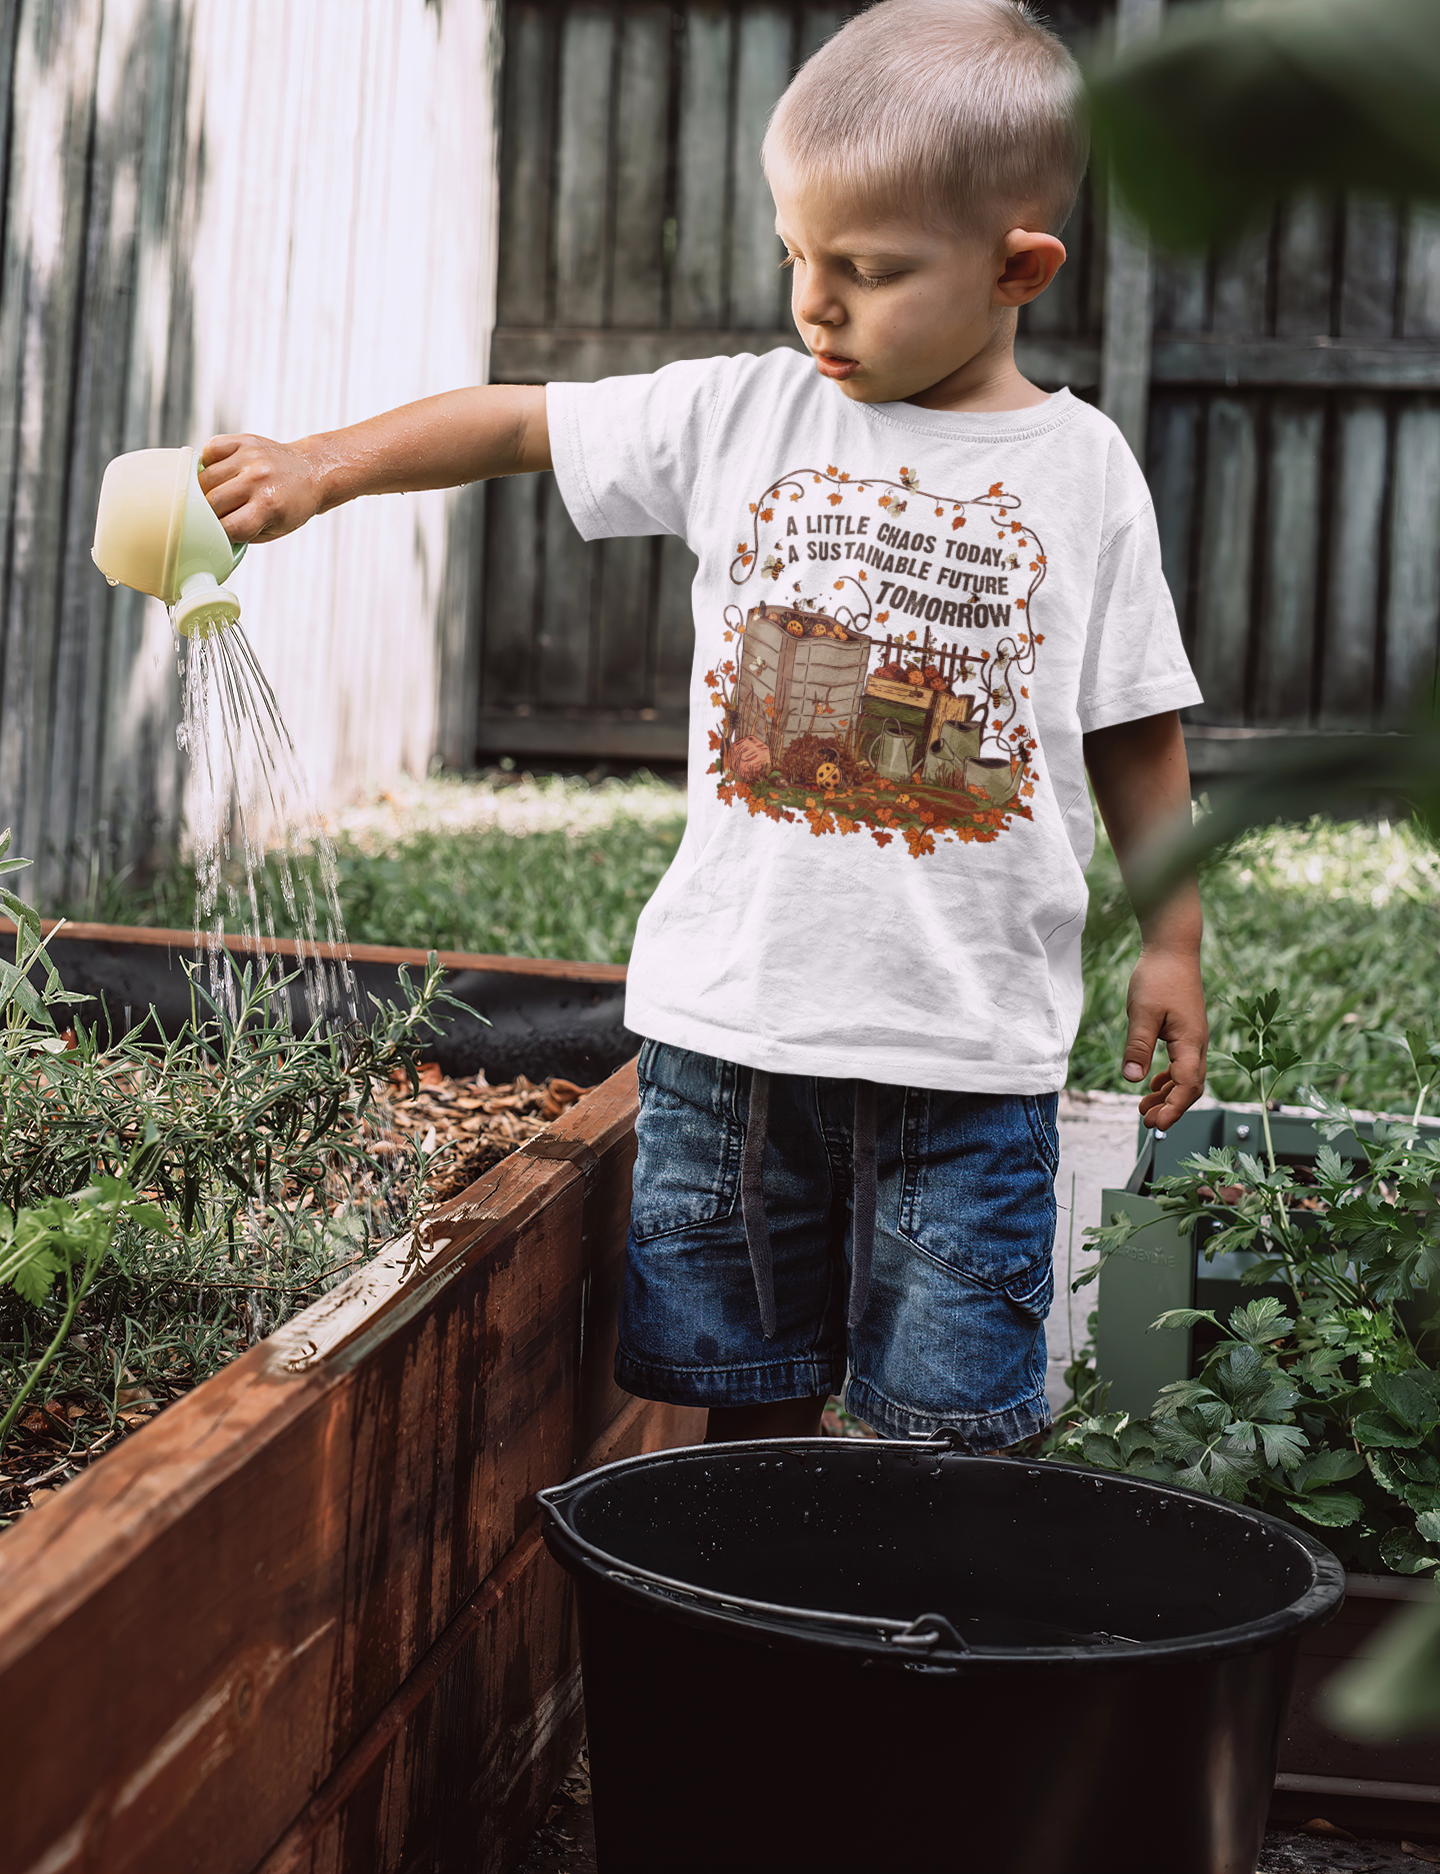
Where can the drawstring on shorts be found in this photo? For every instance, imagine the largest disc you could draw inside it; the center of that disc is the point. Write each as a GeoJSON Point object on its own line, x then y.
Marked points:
{"type": "Point", "coordinates": [752, 1200]}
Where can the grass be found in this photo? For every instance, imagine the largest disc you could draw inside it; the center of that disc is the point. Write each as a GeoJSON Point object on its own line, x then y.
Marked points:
{"type": "Point", "coordinates": [1344, 919]}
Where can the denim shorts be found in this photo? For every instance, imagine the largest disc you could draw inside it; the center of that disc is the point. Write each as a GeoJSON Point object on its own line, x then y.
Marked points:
{"type": "Point", "coordinates": [953, 1327]}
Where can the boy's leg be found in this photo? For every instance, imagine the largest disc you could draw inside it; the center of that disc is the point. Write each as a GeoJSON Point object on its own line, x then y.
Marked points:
{"type": "Point", "coordinates": [690, 1328]}
{"type": "Point", "coordinates": [786, 1418]}
{"type": "Point", "coordinates": [954, 1330]}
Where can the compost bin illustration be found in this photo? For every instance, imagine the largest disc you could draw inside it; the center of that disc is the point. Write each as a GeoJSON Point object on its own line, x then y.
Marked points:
{"type": "Point", "coordinates": [843, 714]}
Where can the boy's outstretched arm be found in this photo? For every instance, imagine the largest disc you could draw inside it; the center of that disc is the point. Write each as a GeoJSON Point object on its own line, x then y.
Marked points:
{"type": "Point", "coordinates": [1142, 782]}
{"type": "Point", "coordinates": [263, 489]}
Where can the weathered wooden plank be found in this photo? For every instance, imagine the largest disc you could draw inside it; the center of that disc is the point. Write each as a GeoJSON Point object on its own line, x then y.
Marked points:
{"type": "Point", "coordinates": [623, 623]}
{"type": "Point", "coordinates": [456, 1767]}
{"type": "Point", "coordinates": [674, 625]}
{"type": "Point", "coordinates": [1182, 293]}
{"type": "Point", "coordinates": [582, 165]}
{"type": "Point", "coordinates": [1372, 259]}
{"type": "Point", "coordinates": [561, 354]}
{"type": "Point", "coordinates": [759, 291]}
{"type": "Point", "coordinates": [522, 288]}
{"type": "Point", "coordinates": [306, 1527]}
{"type": "Point", "coordinates": [1240, 286]}
{"type": "Point", "coordinates": [1128, 308]}
{"type": "Point", "coordinates": [1336, 364]}
{"type": "Point", "coordinates": [1172, 463]}
{"type": "Point", "coordinates": [40, 287]}
{"type": "Point", "coordinates": [642, 124]}
{"type": "Point", "coordinates": [514, 582]}
{"type": "Point", "coordinates": [1286, 656]}
{"type": "Point", "coordinates": [565, 643]}
{"type": "Point", "coordinates": [699, 282]}
{"type": "Point", "coordinates": [1412, 609]}
{"type": "Point", "coordinates": [1223, 592]}
{"type": "Point", "coordinates": [1352, 605]}
{"type": "Point", "coordinates": [653, 735]}
{"type": "Point", "coordinates": [1305, 264]}
{"type": "Point", "coordinates": [1420, 298]}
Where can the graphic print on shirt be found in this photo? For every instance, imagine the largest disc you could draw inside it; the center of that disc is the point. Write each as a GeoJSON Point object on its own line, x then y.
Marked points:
{"type": "Point", "coordinates": [881, 682]}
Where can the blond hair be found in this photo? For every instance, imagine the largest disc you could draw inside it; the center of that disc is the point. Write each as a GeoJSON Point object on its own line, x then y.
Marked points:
{"type": "Point", "coordinates": [965, 113]}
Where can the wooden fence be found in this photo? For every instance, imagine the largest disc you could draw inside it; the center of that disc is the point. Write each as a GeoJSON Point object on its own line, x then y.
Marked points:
{"type": "Point", "coordinates": [265, 216]}
{"type": "Point", "coordinates": [1291, 383]}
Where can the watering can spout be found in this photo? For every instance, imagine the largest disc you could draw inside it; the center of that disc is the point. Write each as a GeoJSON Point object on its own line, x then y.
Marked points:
{"type": "Point", "coordinates": [156, 532]}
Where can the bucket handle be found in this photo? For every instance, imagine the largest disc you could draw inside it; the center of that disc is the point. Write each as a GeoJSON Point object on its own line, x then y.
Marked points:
{"type": "Point", "coordinates": [925, 1631]}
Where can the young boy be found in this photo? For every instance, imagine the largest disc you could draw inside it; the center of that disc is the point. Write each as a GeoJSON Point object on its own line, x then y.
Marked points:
{"type": "Point", "coordinates": [929, 597]}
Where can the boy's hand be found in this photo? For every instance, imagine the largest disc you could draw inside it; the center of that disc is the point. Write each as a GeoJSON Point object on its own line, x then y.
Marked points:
{"type": "Point", "coordinates": [261, 490]}
{"type": "Point", "coordinates": [1166, 1002]}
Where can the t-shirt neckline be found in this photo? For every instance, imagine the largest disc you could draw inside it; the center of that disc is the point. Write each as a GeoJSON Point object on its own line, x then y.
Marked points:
{"type": "Point", "coordinates": [979, 425]}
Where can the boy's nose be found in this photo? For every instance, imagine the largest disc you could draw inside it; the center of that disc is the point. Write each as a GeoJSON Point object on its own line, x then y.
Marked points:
{"type": "Point", "coordinates": [814, 306]}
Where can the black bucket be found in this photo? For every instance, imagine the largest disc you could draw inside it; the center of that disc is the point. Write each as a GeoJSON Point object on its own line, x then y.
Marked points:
{"type": "Point", "coordinates": [845, 1654]}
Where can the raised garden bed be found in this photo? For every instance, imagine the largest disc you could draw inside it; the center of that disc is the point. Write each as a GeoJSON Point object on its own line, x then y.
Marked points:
{"type": "Point", "coordinates": [303, 1617]}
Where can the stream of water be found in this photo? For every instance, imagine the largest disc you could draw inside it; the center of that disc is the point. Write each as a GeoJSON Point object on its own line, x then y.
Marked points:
{"type": "Point", "coordinates": [255, 828]}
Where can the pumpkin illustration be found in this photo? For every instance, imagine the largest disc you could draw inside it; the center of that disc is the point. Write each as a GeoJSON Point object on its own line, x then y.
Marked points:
{"type": "Point", "coordinates": [916, 678]}
{"type": "Point", "coordinates": [749, 758]}
{"type": "Point", "coordinates": [795, 627]}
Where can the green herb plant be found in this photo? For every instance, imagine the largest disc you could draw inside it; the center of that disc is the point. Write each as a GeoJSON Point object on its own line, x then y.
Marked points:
{"type": "Point", "coordinates": [1320, 1400]}
{"type": "Point", "coordinates": [165, 1202]}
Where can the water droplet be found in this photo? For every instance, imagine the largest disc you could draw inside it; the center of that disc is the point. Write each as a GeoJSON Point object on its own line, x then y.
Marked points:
{"type": "Point", "coordinates": [111, 582]}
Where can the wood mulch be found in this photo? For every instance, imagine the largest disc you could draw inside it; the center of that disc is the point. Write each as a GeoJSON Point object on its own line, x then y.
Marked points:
{"type": "Point", "coordinates": [462, 1129]}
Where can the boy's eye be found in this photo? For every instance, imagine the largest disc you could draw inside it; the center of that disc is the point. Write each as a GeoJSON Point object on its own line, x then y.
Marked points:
{"type": "Point", "coordinates": [872, 279]}
{"type": "Point", "coordinates": [789, 260]}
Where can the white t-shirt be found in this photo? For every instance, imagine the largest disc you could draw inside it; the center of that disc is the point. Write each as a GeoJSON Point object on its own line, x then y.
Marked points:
{"type": "Point", "coordinates": [905, 621]}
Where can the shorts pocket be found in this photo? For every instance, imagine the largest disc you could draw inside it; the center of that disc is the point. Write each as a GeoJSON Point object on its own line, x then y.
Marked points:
{"type": "Point", "coordinates": [1033, 1290]}
{"type": "Point", "coordinates": [689, 1141]}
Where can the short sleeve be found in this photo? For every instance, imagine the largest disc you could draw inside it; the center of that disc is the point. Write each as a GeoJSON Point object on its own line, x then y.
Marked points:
{"type": "Point", "coordinates": [1135, 663]}
{"type": "Point", "coordinates": [629, 451]}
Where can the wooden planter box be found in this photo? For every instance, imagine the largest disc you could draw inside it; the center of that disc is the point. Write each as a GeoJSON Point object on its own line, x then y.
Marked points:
{"type": "Point", "coordinates": [304, 1618]}
{"type": "Point", "coordinates": [1394, 1785]}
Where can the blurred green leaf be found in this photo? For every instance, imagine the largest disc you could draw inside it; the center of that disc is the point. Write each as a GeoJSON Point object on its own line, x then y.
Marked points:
{"type": "Point", "coordinates": [1233, 107]}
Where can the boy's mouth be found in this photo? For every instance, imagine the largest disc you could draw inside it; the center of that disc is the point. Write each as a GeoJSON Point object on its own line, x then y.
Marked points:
{"type": "Point", "coordinates": [831, 364]}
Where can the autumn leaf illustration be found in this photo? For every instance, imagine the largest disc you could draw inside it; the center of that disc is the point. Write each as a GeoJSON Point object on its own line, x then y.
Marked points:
{"type": "Point", "coordinates": [995, 487]}
{"type": "Point", "coordinates": [834, 500]}
{"type": "Point", "coordinates": [882, 618]}
{"type": "Point", "coordinates": [753, 506]}
{"type": "Point", "coordinates": [959, 521]}
{"type": "Point", "coordinates": [767, 514]}
{"type": "Point", "coordinates": [830, 469]}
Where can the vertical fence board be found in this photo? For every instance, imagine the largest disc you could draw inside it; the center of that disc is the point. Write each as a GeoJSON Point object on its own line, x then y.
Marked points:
{"type": "Point", "coordinates": [757, 287]}
{"type": "Point", "coordinates": [1354, 571]}
{"type": "Point", "coordinates": [674, 624]}
{"type": "Point", "coordinates": [563, 651]}
{"type": "Point", "coordinates": [1173, 445]}
{"type": "Point", "coordinates": [1305, 253]}
{"type": "Point", "coordinates": [702, 157]}
{"type": "Point", "coordinates": [1284, 666]}
{"type": "Point", "coordinates": [514, 571]}
{"type": "Point", "coordinates": [1420, 302]}
{"type": "Point", "coordinates": [1223, 590]}
{"type": "Point", "coordinates": [1241, 286]}
{"type": "Point", "coordinates": [583, 166]}
{"type": "Point", "coordinates": [1372, 256]}
{"type": "Point", "coordinates": [1412, 613]}
{"type": "Point", "coordinates": [622, 677]}
{"type": "Point", "coordinates": [642, 123]}
{"type": "Point", "coordinates": [525, 183]}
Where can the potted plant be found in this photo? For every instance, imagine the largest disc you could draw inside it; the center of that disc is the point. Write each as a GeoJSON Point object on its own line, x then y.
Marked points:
{"type": "Point", "coordinates": [1318, 1398]}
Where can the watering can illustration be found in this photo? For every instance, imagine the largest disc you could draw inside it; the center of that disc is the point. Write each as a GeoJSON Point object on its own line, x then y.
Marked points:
{"type": "Point", "coordinates": [156, 532]}
{"type": "Point", "coordinates": [957, 743]}
{"type": "Point", "coordinates": [892, 753]}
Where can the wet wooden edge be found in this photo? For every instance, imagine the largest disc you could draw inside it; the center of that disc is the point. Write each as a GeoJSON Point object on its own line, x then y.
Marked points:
{"type": "Point", "coordinates": [61, 1551]}
{"type": "Point", "coordinates": [159, 938]}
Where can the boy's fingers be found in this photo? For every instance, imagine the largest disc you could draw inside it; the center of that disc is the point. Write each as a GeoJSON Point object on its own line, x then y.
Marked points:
{"type": "Point", "coordinates": [219, 449]}
{"type": "Point", "coordinates": [1144, 1032]}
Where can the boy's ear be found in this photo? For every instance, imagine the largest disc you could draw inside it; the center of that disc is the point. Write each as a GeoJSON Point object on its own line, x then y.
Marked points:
{"type": "Point", "coordinates": [1031, 262]}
